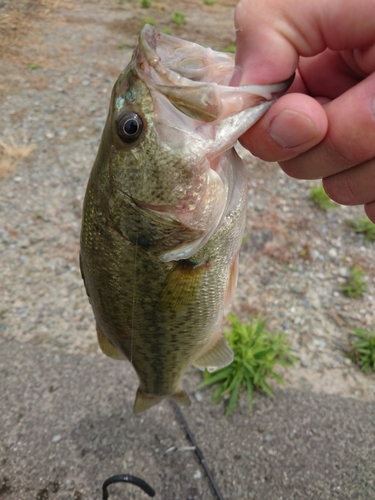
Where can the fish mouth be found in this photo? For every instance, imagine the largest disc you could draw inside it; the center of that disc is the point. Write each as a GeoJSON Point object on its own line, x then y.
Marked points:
{"type": "Point", "coordinates": [196, 79]}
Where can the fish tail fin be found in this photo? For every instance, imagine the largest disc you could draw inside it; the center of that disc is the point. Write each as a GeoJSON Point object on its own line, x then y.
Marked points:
{"type": "Point", "coordinates": [144, 401]}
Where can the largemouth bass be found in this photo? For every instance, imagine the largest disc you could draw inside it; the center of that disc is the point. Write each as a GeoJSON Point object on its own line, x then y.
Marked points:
{"type": "Point", "coordinates": [164, 211]}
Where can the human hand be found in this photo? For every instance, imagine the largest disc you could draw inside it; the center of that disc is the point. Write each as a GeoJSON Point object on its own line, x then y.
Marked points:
{"type": "Point", "coordinates": [325, 126]}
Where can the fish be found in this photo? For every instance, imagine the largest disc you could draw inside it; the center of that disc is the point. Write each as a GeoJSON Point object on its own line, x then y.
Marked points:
{"type": "Point", "coordinates": [164, 211]}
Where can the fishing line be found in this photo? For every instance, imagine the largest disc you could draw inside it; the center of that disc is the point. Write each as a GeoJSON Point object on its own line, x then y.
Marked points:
{"type": "Point", "coordinates": [126, 478]}
{"type": "Point", "coordinates": [133, 308]}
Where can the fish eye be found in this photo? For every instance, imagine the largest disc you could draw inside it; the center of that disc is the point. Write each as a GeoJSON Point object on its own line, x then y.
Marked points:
{"type": "Point", "coordinates": [129, 127]}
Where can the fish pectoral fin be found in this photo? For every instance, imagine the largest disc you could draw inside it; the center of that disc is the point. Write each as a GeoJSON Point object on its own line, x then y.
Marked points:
{"type": "Point", "coordinates": [144, 401]}
{"type": "Point", "coordinates": [107, 347]}
{"type": "Point", "coordinates": [232, 283]}
{"type": "Point", "coordinates": [183, 284]}
{"type": "Point", "coordinates": [218, 356]}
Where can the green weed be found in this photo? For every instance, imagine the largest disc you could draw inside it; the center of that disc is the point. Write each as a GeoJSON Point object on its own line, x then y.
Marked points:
{"type": "Point", "coordinates": [168, 31]}
{"type": "Point", "coordinates": [231, 48]}
{"type": "Point", "coordinates": [363, 349]}
{"type": "Point", "coordinates": [355, 285]}
{"type": "Point", "coordinates": [33, 67]}
{"type": "Point", "coordinates": [179, 18]}
{"type": "Point", "coordinates": [364, 226]}
{"type": "Point", "coordinates": [209, 2]}
{"type": "Point", "coordinates": [320, 198]}
{"type": "Point", "coordinates": [256, 353]}
{"type": "Point", "coordinates": [145, 4]}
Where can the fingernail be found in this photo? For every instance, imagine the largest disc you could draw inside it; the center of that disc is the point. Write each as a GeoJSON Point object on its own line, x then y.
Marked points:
{"type": "Point", "coordinates": [290, 129]}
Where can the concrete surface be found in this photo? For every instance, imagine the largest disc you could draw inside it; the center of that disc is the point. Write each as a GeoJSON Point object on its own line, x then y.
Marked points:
{"type": "Point", "coordinates": [66, 425]}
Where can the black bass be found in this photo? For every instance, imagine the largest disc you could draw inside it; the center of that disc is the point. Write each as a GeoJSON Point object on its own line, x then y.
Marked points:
{"type": "Point", "coordinates": [164, 211]}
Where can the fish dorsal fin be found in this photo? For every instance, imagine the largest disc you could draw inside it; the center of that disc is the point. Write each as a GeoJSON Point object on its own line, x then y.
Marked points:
{"type": "Point", "coordinates": [218, 356]}
{"type": "Point", "coordinates": [107, 347]}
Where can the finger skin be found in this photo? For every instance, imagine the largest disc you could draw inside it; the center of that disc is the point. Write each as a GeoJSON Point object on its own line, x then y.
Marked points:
{"type": "Point", "coordinates": [272, 34]}
{"type": "Point", "coordinates": [370, 211]}
{"type": "Point", "coordinates": [329, 74]}
{"type": "Point", "coordinates": [354, 186]}
{"type": "Point", "coordinates": [298, 118]}
{"type": "Point", "coordinates": [325, 126]}
{"type": "Point", "coordinates": [350, 138]}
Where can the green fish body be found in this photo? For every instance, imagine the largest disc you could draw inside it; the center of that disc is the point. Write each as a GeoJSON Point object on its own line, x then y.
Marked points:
{"type": "Point", "coordinates": [164, 212]}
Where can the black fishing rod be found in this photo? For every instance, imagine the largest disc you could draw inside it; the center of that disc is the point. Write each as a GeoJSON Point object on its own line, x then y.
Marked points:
{"type": "Point", "coordinates": [198, 452]}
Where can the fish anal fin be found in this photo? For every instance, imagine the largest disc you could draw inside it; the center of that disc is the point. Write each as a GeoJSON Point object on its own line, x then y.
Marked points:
{"type": "Point", "coordinates": [217, 356]}
{"type": "Point", "coordinates": [181, 398]}
{"type": "Point", "coordinates": [107, 347]}
{"type": "Point", "coordinates": [145, 401]}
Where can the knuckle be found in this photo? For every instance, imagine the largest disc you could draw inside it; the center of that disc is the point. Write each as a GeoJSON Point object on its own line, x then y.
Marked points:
{"type": "Point", "coordinates": [340, 188]}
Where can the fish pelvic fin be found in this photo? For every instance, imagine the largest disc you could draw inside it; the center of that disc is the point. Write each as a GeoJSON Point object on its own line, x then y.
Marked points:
{"type": "Point", "coordinates": [145, 401]}
{"type": "Point", "coordinates": [181, 398]}
{"type": "Point", "coordinates": [217, 356]}
{"type": "Point", "coordinates": [107, 347]}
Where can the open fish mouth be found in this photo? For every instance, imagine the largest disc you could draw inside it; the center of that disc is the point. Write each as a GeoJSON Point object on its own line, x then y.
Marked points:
{"type": "Point", "coordinates": [199, 116]}
{"type": "Point", "coordinates": [196, 79]}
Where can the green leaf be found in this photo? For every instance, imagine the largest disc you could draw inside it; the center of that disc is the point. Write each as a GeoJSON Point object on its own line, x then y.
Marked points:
{"type": "Point", "coordinates": [363, 350]}
{"type": "Point", "coordinates": [232, 400]}
{"type": "Point", "coordinates": [256, 354]}
{"type": "Point", "coordinates": [266, 388]}
{"type": "Point", "coordinates": [217, 394]}
{"type": "Point", "coordinates": [213, 378]}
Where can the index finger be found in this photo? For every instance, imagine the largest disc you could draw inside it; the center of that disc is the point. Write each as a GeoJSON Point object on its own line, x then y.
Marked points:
{"type": "Point", "coordinates": [272, 34]}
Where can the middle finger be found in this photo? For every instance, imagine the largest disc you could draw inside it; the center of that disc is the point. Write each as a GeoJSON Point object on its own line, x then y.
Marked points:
{"type": "Point", "coordinates": [350, 138]}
